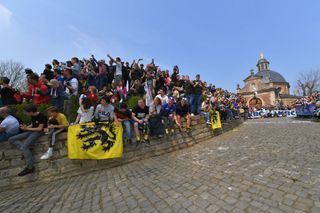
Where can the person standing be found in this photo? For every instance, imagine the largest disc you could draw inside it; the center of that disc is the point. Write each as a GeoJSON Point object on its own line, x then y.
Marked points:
{"type": "Point", "coordinates": [30, 135]}
{"type": "Point", "coordinates": [196, 104]}
{"type": "Point", "coordinates": [118, 73]}
{"type": "Point", "coordinates": [57, 94]}
{"type": "Point", "coordinates": [6, 92]}
{"type": "Point", "coordinates": [36, 90]}
{"type": "Point", "coordinates": [71, 83]}
{"type": "Point", "coordinates": [188, 90]}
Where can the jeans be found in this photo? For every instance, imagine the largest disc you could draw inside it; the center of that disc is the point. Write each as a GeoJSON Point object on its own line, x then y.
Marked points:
{"type": "Point", "coordinates": [4, 136]}
{"type": "Point", "coordinates": [117, 79]}
{"type": "Point", "coordinates": [102, 81]}
{"type": "Point", "coordinates": [206, 116]}
{"type": "Point", "coordinates": [197, 103]}
{"type": "Point", "coordinates": [23, 141]}
{"type": "Point", "coordinates": [190, 102]}
{"type": "Point", "coordinates": [194, 103]}
{"type": "Point", "coordinates": [127, 129]}
{"type": "Point", "coordinates": [229, 114]}
{"type": "Point", "coordinates": [168, 122]}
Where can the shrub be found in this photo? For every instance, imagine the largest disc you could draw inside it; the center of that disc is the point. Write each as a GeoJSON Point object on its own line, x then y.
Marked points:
{"type": "Point", "coordinates": [71, 107]}
{"type": "Point", "coordinates": [18, 111]}
{"type": "Point", "coordinates": [132, 101]}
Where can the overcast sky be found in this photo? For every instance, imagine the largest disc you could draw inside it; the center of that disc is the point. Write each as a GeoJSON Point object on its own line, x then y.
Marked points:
{"type": "Point", "coordinates": [221, 40]}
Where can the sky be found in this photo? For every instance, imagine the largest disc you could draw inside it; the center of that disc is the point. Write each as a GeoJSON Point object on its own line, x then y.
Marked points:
{"type": "Point", "coordinates": [220, 40]}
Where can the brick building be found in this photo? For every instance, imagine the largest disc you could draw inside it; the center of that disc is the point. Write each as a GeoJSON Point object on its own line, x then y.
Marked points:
{"type": "Point", "coordinates": [266, 87]}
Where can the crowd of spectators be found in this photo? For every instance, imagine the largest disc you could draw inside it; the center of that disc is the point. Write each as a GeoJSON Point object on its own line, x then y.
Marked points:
{"type": "Point", "coordinates": [314, 98]}
{"type": "Point", "coordinates": [307, 101]}
{"type": "Point", "coordinates": [103, 90]}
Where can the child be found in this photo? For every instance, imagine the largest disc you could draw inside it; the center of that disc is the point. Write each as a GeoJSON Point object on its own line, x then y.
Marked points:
{"type": "Point", "coordinates": [57, 123]}
{"type": "Point", "coordinates": [85, 111]}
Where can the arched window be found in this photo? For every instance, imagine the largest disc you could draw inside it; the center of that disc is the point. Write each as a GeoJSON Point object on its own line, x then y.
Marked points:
{"type": "Point", "coordinates": [255, 102]}
{"type": "Point", "coordinates": [253, 87]}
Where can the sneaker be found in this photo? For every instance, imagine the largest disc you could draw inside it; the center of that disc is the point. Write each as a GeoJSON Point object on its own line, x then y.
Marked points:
{"type": "Point", "coordinates": [208, 123]}
{"type": "Point", "coordinates": [167, 131]}
{"type": "Point", "coordinates": [146, 137]}
{"type": "Point", "coordinates": [47, 155]}
{"type": "Point", "coordinates": [172, 131]}
{"type": "Point", "coordinates": [160, 136]}
{"type": "Point", "coordinates": [192, 114]}
{"type": "Point", "coordinates": [26, 171]}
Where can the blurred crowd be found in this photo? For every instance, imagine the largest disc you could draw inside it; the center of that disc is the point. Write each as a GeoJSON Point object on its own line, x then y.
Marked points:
{"type": "Point", "coordinates": [314, 98]}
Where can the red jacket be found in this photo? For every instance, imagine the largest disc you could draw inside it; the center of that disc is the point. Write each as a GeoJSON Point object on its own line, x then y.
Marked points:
{"type": "Point", "coordinates": [37, 93]}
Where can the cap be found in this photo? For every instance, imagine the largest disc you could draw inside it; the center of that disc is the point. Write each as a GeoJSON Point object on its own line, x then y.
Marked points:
{"type": "Point", "coordinates": [28, 70]}
{"type": "Point", "coordinates": [171, 98]}
{"type": "Point", "coordinates": [54, 83]}
{"type": "Point", "coordinates": [5, 80]}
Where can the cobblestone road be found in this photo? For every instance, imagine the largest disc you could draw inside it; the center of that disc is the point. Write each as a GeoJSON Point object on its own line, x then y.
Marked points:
{"type": "Point", "coordinates": [270, 165]}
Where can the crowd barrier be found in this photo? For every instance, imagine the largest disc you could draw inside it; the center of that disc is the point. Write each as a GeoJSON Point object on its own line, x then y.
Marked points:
{"type": "Point", "coordinates": [274, 113]}
{"type": "Point", "coordinates": [305, 109]}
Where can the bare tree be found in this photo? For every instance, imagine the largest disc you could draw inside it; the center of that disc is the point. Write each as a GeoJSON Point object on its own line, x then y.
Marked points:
{"type": "Point", "coordinates": [14, 71]}
{"type": "Point", "coordinates": [308, 82]}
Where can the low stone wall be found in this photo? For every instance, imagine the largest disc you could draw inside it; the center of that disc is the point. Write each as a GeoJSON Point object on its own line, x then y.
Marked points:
{"type": "Point", "coordinates": [61, 167]}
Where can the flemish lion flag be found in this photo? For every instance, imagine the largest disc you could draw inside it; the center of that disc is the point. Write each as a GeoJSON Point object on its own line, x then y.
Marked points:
{"type": "Point", "coordinates": [99, 140]}
{"type": "Point", "coordinates": [215, 120]}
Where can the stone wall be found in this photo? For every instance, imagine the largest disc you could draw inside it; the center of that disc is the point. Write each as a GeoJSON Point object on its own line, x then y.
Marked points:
{"type": "Point", "coordinates": [61, 167]}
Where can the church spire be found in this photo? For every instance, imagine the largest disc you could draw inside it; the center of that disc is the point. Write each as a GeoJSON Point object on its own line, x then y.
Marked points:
{"type": "Point", "coordinates": [263, 64]}
{"type": "Point", "coordinates": [261, 55]}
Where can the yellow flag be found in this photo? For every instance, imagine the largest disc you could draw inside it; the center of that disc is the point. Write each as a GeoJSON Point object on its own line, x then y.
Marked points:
{"type": "Point", "coordinates": [95, 141]}
{"type": "Point", "coordinates": [215, 120]}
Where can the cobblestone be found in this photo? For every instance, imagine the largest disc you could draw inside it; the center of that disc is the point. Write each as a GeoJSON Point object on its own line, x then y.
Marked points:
{"type": "Point", "coordinates": [271, 166]}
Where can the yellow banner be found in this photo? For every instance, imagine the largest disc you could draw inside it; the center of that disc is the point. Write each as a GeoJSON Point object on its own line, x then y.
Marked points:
{"type": "Point", "coordinates": [215, 120]}
{"type": "Point", "coordinates": [100, 140]}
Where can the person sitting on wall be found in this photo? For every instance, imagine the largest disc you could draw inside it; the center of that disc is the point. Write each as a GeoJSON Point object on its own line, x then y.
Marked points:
{"type": "Point", "coordinates": [155, 121]}
{"type": "Point", "coordinates": [85, 111]}
{"type": "Point", "coordinates": [104, 110]}
{"type": "Point", "coordinates": [183, 112]}
{"type": "Point", "coordinates": [168, 115]}
{"type": "Point", "coordinates": [140, 115]}
{"type": "Point", "coordinates": [30, 135]}
{"type": "Point", "coordinates": [124, 116]}
{"type": "Point", "coordinates": [57, 123]}
{"type": "Point", "coordinates": [9, 126]}
{"type": "Point", "coordinates": [205, 110]}
{"type": "Point", "coordinates": [162, 96]}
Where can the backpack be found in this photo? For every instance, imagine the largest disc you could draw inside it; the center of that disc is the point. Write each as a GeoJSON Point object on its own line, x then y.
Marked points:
{"type": "Point", "coordinates": [17, 96]}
